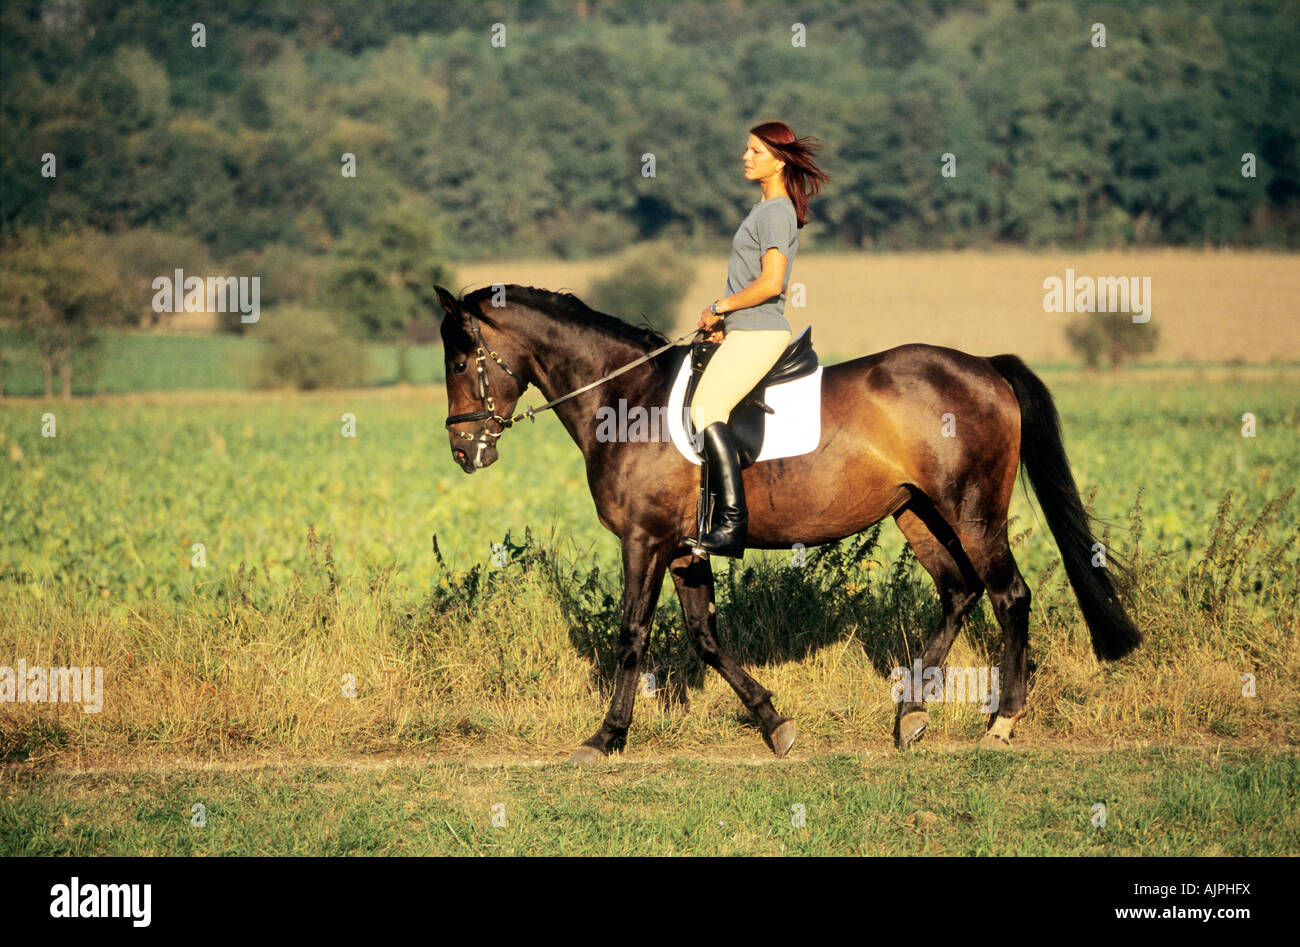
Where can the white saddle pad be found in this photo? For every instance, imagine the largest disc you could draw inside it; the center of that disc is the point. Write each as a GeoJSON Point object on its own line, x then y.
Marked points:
{"type": "Point", "coordinates": [795, 428]}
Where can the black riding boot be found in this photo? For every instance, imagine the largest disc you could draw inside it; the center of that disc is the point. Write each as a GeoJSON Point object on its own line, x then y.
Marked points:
{"type": "Point", "coordinates": [730, 517]}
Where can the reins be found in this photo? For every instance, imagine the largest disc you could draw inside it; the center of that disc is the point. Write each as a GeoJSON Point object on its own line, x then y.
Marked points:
{"type": "Point", "coordinates": [488, 412]}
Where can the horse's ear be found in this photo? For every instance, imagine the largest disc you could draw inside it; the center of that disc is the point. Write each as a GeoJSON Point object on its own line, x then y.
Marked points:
{"type": "Point", "coordinates": [448, 301]}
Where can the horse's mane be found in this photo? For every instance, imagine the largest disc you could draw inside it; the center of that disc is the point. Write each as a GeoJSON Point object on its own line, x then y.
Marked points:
{"type": "Point", "coordinates": [569, 307]}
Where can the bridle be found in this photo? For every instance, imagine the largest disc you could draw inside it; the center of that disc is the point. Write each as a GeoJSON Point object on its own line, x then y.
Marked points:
{"type": "Point", "coordinates": [489, 410]}
{"type": "Point", "coordinates": [488, 413]}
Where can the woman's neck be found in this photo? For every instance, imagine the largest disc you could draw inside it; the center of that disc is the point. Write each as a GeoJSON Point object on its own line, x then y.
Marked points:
{"type": "Point", "coordinates": [774, 187]}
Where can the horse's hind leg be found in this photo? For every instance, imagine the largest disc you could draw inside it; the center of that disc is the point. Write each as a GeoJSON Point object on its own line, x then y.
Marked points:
{"type": "Point", "coordinates": [990, 553]}
{"type": "Point", "coordinates": [693, 577]}
{"type": "Point", "coordinates": [938, 550]}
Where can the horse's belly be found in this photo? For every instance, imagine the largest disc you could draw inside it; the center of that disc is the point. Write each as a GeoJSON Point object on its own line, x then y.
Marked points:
{"type": "Point", "coordinates": [799, 500]}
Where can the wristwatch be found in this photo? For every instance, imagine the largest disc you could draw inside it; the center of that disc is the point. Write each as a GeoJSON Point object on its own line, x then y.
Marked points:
{"type": "Point", "coordinates": [713, 308]}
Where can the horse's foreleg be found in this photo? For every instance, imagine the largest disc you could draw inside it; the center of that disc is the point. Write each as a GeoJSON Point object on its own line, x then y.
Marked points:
{"type": "Point", "coordinates": [644, 561]}
{"type": "Point", "coordinates": [693, 577]}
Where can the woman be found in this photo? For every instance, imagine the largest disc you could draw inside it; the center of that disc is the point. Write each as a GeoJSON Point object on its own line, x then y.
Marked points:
{"type": "Point", "coordinates": [755, 331]}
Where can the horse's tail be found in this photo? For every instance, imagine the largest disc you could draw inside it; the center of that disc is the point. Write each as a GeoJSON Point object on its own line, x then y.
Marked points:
{"type": "Point", "coordinates": [1043, 454]}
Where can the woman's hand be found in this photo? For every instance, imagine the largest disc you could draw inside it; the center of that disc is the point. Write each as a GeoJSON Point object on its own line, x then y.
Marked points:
{"type": "Point", "coordinates": [709, 320]}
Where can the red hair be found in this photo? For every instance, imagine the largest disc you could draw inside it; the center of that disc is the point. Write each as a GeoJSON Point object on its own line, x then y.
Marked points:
{"type": "Point", "coordinates": [801, 176]}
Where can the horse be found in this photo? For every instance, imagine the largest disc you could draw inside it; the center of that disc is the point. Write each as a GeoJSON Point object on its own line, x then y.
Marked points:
{"type": "Point", "coordinates": [931, 436]}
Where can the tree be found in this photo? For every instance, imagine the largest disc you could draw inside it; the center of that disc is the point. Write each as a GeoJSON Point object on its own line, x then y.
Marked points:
{"type": "Point", "coordinates": [1110, 334]}
{"type": "Point", "coordinates": [305, 349]}
{"type": "Point", "coordinates": [386, 276]}
{"type": "Point", "coordinates": [61, 288]}
{"type": "Point", "coordinates": [647, 286]}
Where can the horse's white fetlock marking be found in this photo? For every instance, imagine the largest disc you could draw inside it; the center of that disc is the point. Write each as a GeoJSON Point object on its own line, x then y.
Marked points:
{"type": "Point", "coordinates": [1002, 728]}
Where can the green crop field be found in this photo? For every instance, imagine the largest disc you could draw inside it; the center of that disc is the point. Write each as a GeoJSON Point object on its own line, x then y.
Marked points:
{"type": "Point", "coordinates": [318, 565]}
{"type": "Point", "coordinates": [110, 507]}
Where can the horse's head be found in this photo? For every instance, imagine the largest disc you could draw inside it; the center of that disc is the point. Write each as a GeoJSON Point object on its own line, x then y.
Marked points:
{"type": "Point", "coordinates": [483, 380]}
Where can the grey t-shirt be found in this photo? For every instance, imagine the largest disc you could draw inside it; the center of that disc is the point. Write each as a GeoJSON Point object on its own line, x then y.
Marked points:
{"type": "Point", "coordinates": [769, 224]}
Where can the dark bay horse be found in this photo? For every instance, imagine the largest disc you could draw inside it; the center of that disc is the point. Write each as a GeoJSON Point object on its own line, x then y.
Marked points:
{"type": "Point", "coordinates": [930, 436]}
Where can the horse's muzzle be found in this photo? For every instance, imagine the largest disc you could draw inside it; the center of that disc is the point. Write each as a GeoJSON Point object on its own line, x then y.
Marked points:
{"type": "Point", "coordinates": [474, 457]}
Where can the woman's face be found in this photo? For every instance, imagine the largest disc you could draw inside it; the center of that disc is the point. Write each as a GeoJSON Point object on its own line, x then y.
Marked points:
{"type": "Point", "coordinates": [760, 164]}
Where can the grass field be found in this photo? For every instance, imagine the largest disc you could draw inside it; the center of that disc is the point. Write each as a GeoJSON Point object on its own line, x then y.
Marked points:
{"type": "Point", "coordinates": [320, 562]}
{"type": "Point", "coordinates": [1157, 802]}
{"type": "Point", "coordinates": [134, 361]}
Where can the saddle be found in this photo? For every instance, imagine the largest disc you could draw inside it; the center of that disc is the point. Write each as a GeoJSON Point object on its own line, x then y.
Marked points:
{"type": "Point", "coordinates": [749, 416]}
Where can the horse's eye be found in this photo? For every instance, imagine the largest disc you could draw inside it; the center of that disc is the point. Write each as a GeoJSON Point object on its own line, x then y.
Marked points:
{"type": "Point", "coordinates": [459, 368]}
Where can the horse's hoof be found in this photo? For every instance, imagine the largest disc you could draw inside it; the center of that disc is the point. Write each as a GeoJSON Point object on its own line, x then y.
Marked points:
{"type": "Point", "coordinates": [994, 741]}
{"type": "Point", "coordinates": [998, 735]}
{"type": "Point", "coordinates": [587, 755]}
{"type": "Point", "coordinates": [782, 738]}
{"type": "Point", "coordinates": [910, 728]}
